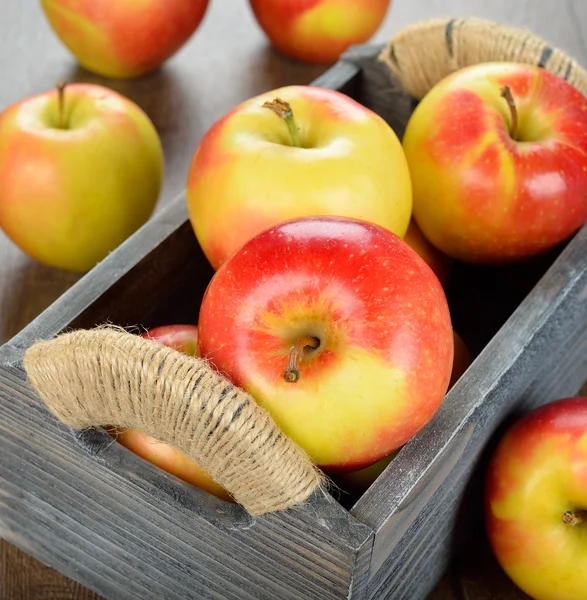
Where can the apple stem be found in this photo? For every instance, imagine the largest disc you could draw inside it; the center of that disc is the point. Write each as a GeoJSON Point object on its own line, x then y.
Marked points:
{"type": "Point", "coordinates": [506, 93]}
{"type": "Point", "coordinates": [292, 373]}
{"type": "Point", "coordinates": [283, 109]}
{"type": "Point", "coordinates": [60, 104]}
{"type": "Point", "coordinates": [575, 517]}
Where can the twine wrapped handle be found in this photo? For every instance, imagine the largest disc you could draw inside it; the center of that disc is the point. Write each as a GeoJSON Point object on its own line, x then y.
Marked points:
{"type": "Point", "coordinates": [424, 53]}
{"type": "Point", "coordinates": [109, 376]}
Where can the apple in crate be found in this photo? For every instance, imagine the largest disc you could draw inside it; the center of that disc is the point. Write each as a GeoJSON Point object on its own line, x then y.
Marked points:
{"type": "Point", "coordinates": [169, 459]}
{"type": "Point", "coordinates": [536, 501]}
{"type": "Point", "coordinates": [318, 31]}
{"type": "Point", "coordinates": [81, 169]}
{"type": "Point", "coordinates": [440, 263]}
{"type": "Point", "coordinates": [498, 158]}
{"type": "Point", "coordinates": [124, 38]}
{"type": "Point", "coordinates": [294, 152]}
{"type": "Point", "coordinates": [183, 338]}
{"type": "Point", "coordinates": [180, 337]}
{"type": "Point", "coordinates": [339, 329]}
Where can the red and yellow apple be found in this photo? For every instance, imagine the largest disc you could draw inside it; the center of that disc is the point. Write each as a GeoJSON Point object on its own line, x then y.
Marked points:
{"type": "Point", "coordinates": [440, 263]}
{"type": "Point", "coordinates": [169, 459]}
{"type": "Point", "coordinates": [183, 338]}
{"type": "Point", "coordinates": [362, 479]}
{"type": "Point", "coordinates": [536, 501]}
{"type": "Point", "coordinates": [318, 31]}
{"type": "Point", "coordinates": [321, 154]}
{"type": "Point", "coordinates": [80, 170]}
{"type": "Point", "coordinates": [339, 329]}
{"type": "Point", "coordinates": [498, 158]}
{"type": "Point", "coordinates": [123, 38]}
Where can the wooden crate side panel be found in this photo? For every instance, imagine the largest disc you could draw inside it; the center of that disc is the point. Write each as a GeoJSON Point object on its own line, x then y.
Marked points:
{"type": "Point", "coordinates": [122, 527]}
{"type": "Point", "coordinates": [427, 538]}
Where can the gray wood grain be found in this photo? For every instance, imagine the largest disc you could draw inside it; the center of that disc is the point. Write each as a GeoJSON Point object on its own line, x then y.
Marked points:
{"type": "Point", "coordinates": [129, 530]}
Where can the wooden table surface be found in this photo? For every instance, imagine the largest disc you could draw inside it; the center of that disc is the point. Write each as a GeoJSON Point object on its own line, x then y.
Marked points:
{"type": "Point", "coordinates": [228, 60]}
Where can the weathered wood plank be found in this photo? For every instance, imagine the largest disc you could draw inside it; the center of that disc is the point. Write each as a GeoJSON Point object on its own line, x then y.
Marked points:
{"type": "Point", "coordinates": [129, 530]}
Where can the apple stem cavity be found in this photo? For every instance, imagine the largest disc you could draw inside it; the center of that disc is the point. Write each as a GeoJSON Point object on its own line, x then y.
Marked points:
{"type": "Point", "coordinates": [283, 109]}
{"type": "Point", "coordinates": [292, 373]}
{"type": "Point", "coordinates": [506, 93]}
{"type": "Point", "coordinates": [575, 517]}
{"type": "Point", "coordinates": [61, 104]}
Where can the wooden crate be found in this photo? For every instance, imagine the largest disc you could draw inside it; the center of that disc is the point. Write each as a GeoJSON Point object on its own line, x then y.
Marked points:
{"type": "Point", "coordinates": [104, 517]}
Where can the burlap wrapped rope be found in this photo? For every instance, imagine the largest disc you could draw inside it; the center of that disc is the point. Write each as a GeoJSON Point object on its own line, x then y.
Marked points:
{"type": "Point", "coordinates": [109, 376]}
{"type": "Point", "coordinates": [422, 54]}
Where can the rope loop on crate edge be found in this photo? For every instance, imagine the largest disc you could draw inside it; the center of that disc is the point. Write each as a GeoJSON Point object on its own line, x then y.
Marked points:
{"type": "Point", "coordinates": [422, 54]}
{"type": "Point", "coordinates": [107, 376]}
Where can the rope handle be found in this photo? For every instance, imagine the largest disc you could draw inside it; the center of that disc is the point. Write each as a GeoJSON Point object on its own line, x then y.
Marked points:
{"type": "Point", "coordinates": [106, 375]}
{"type": "Point", "coordinates": [424, 53]}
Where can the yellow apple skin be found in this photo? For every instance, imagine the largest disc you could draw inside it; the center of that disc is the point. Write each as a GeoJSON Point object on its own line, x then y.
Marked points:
{"type": "Point", "coordinates": [124, 38]}
{"type": "Point", "coordinates": [362, 479]}
{"type": "Point", "coordinates": [69, 196]}
{"type": "Point", "coordinates": [538, 473]}
{"type": "Point", "coordinates": [246, 175]}
{"type": "Point", "coordinates": [318, 31]}
{"type": "Point", "coordinates": [484, 193]}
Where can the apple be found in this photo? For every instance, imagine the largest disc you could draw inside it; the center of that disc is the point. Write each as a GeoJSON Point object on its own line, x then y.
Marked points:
{"type": "Point", "coordinates": [183, 338]}
{"type": "Point", "coordinates": [294, 152]}
{"type": "Point", "coordinates": [318, 31]}
{"type": "Point", "coordinates": [80, 170]}
{"type": "Point", "coordinates": [536, 500]}
{"type": "Point", "coordinates": [169, 459]}
{"type": "Point", "coordinates": [498, 158]}
{"type": "Point", "coordinates": [462, 359]}
{"type": "Point", "coordinates": [337, 328]}
{"type": "Point", "coordinates": [362, 479]}
{"type": "Point", "coordinates": [124, 38]}
{"type": "Point", "coordinates": [440, 263]}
